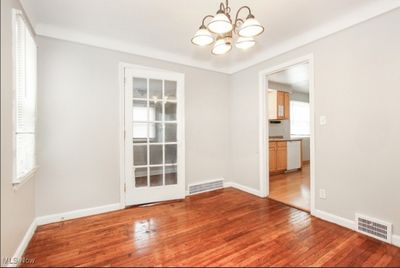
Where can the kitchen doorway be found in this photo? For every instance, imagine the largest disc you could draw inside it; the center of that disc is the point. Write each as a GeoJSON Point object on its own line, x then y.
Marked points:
{"type": "Point", "coordinates": [287, 133]}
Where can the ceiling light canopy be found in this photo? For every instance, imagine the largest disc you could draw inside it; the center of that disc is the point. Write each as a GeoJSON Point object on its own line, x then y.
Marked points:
{"type": "Point", "coordinates": [222, 26]}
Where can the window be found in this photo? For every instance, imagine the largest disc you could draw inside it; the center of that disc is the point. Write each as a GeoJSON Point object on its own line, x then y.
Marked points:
{"type": "Point", "coordinates": [299, 118]}
{"type": "Point", "coordinates": [24, 98]}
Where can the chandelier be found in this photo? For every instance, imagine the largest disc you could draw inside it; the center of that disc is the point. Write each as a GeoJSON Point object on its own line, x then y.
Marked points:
{"type": "Point", "coordinates": [223, 28]}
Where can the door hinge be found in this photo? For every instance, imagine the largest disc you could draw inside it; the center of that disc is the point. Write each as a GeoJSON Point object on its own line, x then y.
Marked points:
{"type": "Point", "coordinates": [125, 187]}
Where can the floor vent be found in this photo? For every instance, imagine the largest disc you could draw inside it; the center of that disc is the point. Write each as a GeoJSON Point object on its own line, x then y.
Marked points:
{"type": "Point", "coordinates": [375, 228]}
{"type": "Point", "coordinates": [206, 186]}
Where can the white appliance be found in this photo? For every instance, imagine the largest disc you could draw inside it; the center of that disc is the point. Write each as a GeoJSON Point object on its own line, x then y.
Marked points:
{"type": "Point", "coordinates": [293, 155]}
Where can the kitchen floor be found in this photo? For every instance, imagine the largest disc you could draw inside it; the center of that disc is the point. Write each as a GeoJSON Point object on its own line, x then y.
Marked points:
{"type": "Point", "coordinates": [292, 188]}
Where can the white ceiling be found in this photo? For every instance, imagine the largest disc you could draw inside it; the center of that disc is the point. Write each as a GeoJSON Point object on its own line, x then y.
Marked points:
{"type": "Point", "coordinates": [163, 29]}
{"type": "Point", "coordinates": [297, 77]}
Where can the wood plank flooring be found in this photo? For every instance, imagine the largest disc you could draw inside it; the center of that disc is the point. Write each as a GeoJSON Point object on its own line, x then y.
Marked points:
{"type": "Point", "coordinates": [292, 188]}
{"type": "Point", "coordinates": [221, 228]}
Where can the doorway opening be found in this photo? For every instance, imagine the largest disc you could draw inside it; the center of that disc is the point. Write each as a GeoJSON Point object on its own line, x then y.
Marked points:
{"type": "Point", "coordinates": [288, 134]}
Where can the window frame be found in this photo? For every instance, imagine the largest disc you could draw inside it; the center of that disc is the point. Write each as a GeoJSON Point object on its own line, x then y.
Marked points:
{"type": "Point", "coordinates": [15, 180]}
{"type": "Point", "coordinates": [290, 121]}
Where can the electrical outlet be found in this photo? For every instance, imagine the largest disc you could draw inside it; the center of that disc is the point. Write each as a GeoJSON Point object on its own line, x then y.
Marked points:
{"type": "Point", "coordinates": [323, 120]}
{"type": "Point", "coordinates": [322, 193]}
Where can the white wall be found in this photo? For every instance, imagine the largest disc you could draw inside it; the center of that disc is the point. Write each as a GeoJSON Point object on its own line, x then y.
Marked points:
{"type": "Point", "coordinates": [17, 206]}
{"type": "Point", "coordinates": [79, 124]}
{"type": "Point", "coordinates": [356, 87]}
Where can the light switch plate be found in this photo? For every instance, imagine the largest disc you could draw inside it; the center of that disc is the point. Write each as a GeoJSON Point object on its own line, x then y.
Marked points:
{"type": "Point", "coordinates": [322, 120]}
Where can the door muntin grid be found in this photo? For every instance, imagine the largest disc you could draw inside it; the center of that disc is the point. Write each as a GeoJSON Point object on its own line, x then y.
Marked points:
{"type": "Point", "coordinates": [155, 128]}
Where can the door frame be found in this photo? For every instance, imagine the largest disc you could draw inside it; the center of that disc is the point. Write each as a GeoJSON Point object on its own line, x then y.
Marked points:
{"type": "Point", "coordinates": [122, 67]}
{"type": "Point", "coordinates": [264, 128]}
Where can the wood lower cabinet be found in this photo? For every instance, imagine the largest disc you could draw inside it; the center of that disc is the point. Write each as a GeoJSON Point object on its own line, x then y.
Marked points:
{"type": "Point", "coordinates": [277, 156]}
{"type": "Point", "coordinates": [272, 156]}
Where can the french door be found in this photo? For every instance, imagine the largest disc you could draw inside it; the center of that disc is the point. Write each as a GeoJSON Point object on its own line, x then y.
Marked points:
{"type": "Point", "coordinates": [154, 136]}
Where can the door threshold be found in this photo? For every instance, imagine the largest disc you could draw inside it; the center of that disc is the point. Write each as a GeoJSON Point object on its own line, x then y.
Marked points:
{"type": "Point", "coordinates": [291, 205]}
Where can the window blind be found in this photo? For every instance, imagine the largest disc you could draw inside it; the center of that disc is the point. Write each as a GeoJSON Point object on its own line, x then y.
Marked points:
{"type": "Point", "coordinates": [25, 98]}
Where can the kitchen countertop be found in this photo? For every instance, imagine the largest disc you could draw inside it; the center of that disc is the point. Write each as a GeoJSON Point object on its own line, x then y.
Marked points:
{"type": "Point", "coordinates": [284, 139]}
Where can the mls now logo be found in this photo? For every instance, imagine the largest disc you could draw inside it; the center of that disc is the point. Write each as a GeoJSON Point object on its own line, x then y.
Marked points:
{"type": "Point", "coordinates": [16, 261]}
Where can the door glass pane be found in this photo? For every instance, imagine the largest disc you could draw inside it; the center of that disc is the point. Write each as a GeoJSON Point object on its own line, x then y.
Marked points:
{"type": "Point", "coordinates": [140, 155]}
{"type": "Point", "coordinates": [155, 91]}
{"type": "Point", "coordinates": [170, 90]}
{"type": "Point", "coordinates": [171, 175]}
{"type": "Point", "coordinates": [156, 109]}
{"type": "Point", "coordinates": [140, 132]}
{"type": "Point", "coordinates": [140, 88]}
{"type": "Point", "coordinates": [156, 176]}
{"type": "Point", "coordinates": [140, 112]}
{"type": "Point", "coordinates": [170, 132]}
{"type": "Point", "coordinates": [157, 129]}
{"type": "Point", "coordinates": [156, 154]}
{"type": "Point", "coordinates": [140, 177]}
{"type": "Point", "coordinates": [170, 111]}
{"type": "Point", "coordinates": [170, 154]}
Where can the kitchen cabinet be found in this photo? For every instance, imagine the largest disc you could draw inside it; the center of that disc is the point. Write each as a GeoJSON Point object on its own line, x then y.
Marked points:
{"type": "Point", "coordinates": [284, 155]}
{"type": "Point", "coordinates": [272, 156]}
{"type": "Point", "coordinates": [278, 105]}
{"type": "Point", "coordinates": [277, 156]}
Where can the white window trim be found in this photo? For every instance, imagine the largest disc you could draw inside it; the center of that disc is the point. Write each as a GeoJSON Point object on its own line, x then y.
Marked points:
{"type": "Point", "coordinates": [15, 181]}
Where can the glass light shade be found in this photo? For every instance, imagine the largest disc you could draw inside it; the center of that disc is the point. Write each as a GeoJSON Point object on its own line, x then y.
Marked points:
{"type": "Point", "coordinates": [250, 28]}
{"type": "Point", "coordinates": [222, 46]}
{"type": "Point", "coordinates": [245, 42]}
{"type": "Point", "coordinates": [220, 24]}
{"type": "Point", "coordinates": [202, 37]}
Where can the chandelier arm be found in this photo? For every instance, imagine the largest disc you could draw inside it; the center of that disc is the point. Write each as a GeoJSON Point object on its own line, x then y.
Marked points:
{"type": "Point", "coordinates": [237, 19]}
{"type": "Point", "coordinates": [204, 20]}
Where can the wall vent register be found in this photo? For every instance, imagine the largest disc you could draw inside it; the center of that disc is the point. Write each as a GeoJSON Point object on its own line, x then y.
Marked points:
{"type": "Point", "coordinates": [375, 228]}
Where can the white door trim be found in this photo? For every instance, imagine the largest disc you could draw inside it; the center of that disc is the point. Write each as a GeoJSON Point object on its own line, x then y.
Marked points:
{"type": "Point", "coordinates": [122, 67]}
{"type": "Point", "coordinates": [264, 129]}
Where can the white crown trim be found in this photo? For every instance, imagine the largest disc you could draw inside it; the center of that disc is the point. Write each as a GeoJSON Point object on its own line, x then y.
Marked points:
{"type": "Point", "coordinates": [353, 18]}
{"type": "Point", "coordinates": [120, 46]}
{"type": "Point", "coordinates": [360, 15]}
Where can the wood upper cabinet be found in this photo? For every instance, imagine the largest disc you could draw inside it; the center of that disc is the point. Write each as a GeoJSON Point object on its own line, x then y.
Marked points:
{"type": "Point", "coordinates": [277, 156]}
{"type": "Point", "coordinates": [278, 105]}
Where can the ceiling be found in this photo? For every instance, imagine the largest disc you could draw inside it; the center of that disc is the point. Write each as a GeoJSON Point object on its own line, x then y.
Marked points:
{"type": "Point", "coordinates": [297, 77]}
{"type": "Point", "coordinates": [163, 29]}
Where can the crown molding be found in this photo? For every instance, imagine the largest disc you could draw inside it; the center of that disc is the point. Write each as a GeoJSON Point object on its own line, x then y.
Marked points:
{"type": "Point", "coordinates": [353, 18]}
{"type": "Point", "coordinates": [64, 34]}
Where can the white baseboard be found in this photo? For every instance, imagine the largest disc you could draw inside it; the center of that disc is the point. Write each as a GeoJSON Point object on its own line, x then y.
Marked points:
{"type": "Point", "coordinates": [335, 219]}
{"type": "Point", "coordinates": [76, 214]}
{"type": "Point", "coordinates": [396, 240]}
{"type": "Point", "coordinates": [243, 188]}
{"type": "Point", "coordinates": [23, 245]}
{"type": "Point", "coordinates": [350, 224]}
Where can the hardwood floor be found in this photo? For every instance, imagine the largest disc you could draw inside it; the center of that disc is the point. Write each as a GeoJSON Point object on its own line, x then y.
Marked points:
{"type": "Point", "coordinates": [221, 228]}
{"type": "Point", "coordinates": [292, 188]}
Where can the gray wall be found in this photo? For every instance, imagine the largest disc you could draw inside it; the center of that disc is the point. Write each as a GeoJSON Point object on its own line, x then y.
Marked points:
{"type": "Point", "coordinates": [356, 87]}
{"type": "Point", "coordinates": [78, 124]}
{"type": "Point", "coordinates": [17, 206]}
